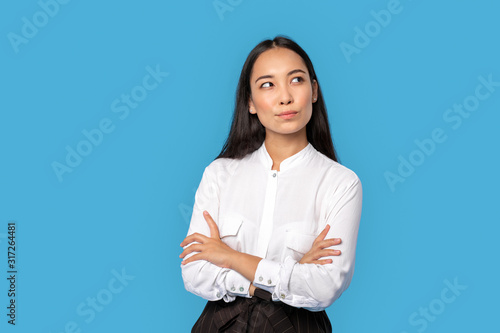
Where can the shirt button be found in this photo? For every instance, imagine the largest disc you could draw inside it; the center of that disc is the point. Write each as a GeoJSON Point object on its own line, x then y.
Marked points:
{"type": "Point", "coordinates": [269, 281]}
{"type": "Point", "coordinates": [260, 278]}
{"type": "Point", "coordinates": [241, 288]}
{"type": "Point", "coordinates": [218, 295]}
{"type": "Point", "coordinates": [282, 296]}
{"type": "Point", "coordinates": [274, 174]}
{"type": "Point", "coordinates": [233, 288]}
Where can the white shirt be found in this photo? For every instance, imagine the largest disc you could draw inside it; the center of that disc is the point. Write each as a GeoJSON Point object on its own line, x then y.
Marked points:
{"type": "Point", "coordinates": [277, 215]}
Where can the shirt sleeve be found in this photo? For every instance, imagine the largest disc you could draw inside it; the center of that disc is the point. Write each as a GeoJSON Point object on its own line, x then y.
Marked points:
{"type": "Point", "coordinates": [312, 286]}
{"type": "Point", "coordinates": [201, 277]}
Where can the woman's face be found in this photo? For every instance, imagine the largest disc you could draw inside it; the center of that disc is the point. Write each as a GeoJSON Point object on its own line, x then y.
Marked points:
{"type": "Point", "coordinates": [282, 92]}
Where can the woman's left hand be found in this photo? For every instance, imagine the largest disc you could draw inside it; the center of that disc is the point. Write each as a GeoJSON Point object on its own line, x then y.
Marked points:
{"type": "Point", "coordinates": [212, 248]}
{"type": "Point", "coordinates": [319, 249]}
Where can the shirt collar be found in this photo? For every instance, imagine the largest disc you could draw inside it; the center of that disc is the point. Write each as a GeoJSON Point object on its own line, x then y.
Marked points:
{"type": "Point", "coordinates": [287, 163]}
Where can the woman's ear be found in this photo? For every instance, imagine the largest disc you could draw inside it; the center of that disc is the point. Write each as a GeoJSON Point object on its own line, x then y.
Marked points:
{"type": "Point", "coordinates": [251, 107]}
{"type": "Point", "coordinates": [314, 91]}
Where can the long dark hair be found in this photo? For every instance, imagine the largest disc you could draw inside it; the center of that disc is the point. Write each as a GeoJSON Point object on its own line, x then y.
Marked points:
{"type": "Point", "coordinates": [247, 133]}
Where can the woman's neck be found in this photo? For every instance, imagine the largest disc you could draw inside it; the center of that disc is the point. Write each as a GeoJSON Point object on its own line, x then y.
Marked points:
{"type": "Point", "coordinates": [281, 147]}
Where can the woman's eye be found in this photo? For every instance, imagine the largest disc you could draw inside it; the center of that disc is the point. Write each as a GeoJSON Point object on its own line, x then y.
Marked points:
{"type": "Point", "coordinates": [297, 79]}
{"type": "Point", "coordinates": [266, 85]}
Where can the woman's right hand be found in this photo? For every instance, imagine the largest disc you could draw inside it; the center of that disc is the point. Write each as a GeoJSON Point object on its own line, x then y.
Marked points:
{"type": "Point", "coordinates": [319, 249]}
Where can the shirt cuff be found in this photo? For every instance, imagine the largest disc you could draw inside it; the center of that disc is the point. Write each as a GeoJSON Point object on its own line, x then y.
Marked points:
{"type": "Point", "coordinates": [274, 277]}
{"type": "Point", "coordinates": [267, 275]}
{"type": "Point", "coordinates": [237, 285]}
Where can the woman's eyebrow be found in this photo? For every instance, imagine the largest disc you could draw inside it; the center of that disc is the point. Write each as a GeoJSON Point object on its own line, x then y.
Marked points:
{"type": "Point", "coordinates": [289, 73]}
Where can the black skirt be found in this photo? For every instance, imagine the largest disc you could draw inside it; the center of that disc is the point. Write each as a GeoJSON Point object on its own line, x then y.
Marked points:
{"type": "Point", "coordinates": [259, 314]}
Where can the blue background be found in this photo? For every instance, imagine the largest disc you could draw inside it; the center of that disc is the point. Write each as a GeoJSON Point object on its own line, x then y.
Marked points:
{"type": "Point", "coordinates": [126, 206]}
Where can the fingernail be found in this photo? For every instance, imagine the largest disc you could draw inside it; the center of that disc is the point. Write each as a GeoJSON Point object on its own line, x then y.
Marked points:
{"type": "Point", "coordinates": [336, 239]}
{"type": "Point", "coordinates": [205, 212]}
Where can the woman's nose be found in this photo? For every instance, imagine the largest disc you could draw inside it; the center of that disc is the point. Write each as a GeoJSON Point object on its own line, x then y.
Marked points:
{"type": "Point", "coordinates": [285, 96]}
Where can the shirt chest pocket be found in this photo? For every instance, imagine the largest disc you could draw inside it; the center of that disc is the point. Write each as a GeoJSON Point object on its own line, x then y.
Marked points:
{"type": "Point", "coordinates": [297, 243]}
{"type": "Point", "coordinates": [229, 231]}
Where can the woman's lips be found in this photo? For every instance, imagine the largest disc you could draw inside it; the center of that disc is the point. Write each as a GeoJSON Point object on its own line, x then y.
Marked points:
{"type": "Point", "coordinates": [287, 114]}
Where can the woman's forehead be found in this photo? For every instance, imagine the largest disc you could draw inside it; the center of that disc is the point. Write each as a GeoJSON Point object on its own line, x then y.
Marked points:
{"type": "Point", "coordinates": [278, 60]}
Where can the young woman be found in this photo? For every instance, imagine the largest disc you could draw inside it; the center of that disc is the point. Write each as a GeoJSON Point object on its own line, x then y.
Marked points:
{"type": "Point", "coordinates": [273, 233]}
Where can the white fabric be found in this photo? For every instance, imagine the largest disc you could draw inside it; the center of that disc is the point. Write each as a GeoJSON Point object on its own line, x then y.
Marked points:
{"type": "Point", "coordinates": [276, 215]}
